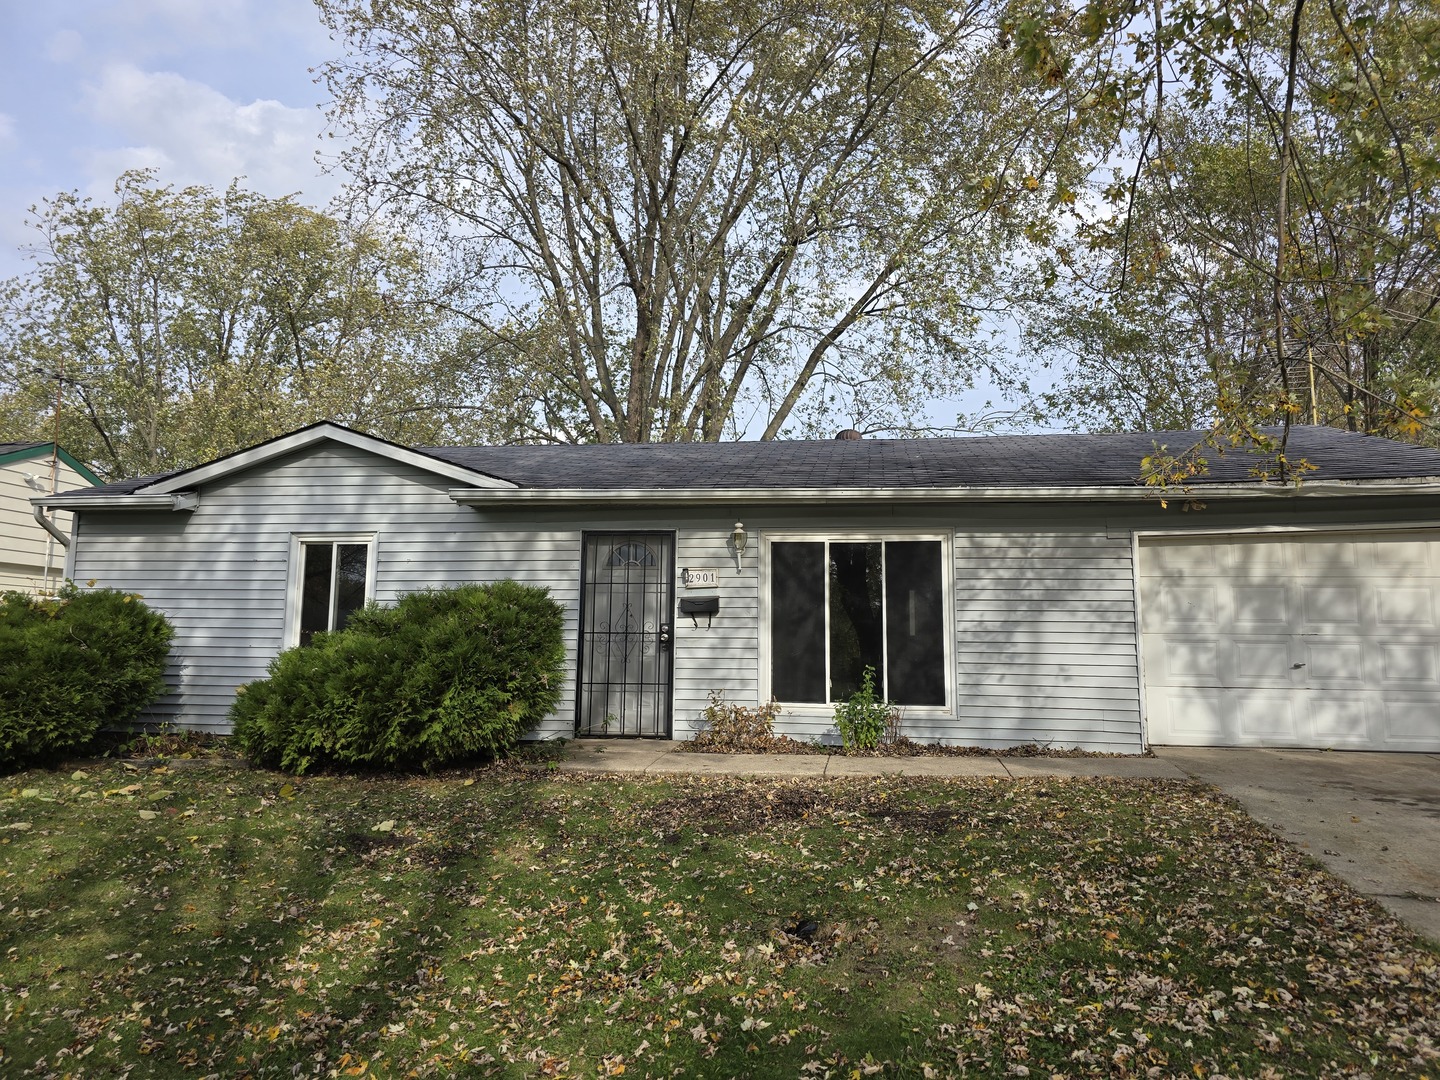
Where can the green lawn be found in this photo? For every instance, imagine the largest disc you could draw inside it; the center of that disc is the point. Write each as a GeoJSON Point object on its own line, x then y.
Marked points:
{"type": "Point", "coordinates": [517, 922]}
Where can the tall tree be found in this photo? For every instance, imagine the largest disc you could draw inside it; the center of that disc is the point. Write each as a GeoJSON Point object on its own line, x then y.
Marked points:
{"type": "Point", "coordinates": [1281, 198]}
{"type": "Point", "coordinates": [687, 220]}
{"type": "Point", "coordinates": [178, 325]}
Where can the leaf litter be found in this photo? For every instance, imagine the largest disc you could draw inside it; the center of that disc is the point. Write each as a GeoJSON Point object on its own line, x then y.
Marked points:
{"type": "Point", "coordinates": [514, 922]}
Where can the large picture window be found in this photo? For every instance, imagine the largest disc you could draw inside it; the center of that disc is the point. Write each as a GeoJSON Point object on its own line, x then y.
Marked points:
{"type": "Point", "coordinates": [840, 606]}
{"type": "Point", "coordinates": [332, 581]}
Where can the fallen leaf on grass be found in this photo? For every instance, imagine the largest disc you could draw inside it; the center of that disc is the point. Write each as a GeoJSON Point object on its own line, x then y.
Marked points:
{"type": "Point", "coordinates": [148, 815]}
{"type": "Point", "coordinates": [385, 826]}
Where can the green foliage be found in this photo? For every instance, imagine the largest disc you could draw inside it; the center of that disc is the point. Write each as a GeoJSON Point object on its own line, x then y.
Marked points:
{"type": "Point", "coordinates": [1237, 270]}
{"type": "Point", "coordinates": [734, 728]}
{"type": "Point", "coordinates": [72, 664]}
{"type": "Point", "coordinates": [184, 324]}
{"type": "Point", "coordinates": [864, 719]}
{"type": "Point", "coordinates": [445, 675]}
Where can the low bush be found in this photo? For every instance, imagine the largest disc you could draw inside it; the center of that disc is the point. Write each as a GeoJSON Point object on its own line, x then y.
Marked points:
{"type": "Point", "coordinates": [73, 663]}
{"type": "Point", "coordinates": [865, 720]}
{"type": "Point", "coordinates": [445, 675]}
{"type": "Point", "coordinates": [733, 728]}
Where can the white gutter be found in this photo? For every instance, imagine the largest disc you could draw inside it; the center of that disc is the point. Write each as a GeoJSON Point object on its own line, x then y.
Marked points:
{"type": "Point", "coordinates": [181, 500]}
{"type": "Point", "coordinates": [818, 496]}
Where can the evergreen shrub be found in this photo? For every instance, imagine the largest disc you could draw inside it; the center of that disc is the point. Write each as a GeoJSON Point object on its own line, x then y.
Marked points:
{"type": "Point", "coordinates": [73, 663]}
{"type": "Point", "coordinates": [444, 675]}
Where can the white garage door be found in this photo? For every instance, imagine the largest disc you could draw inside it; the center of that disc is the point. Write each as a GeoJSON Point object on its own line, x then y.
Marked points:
{"type": "Point", "coordinates": [1330, 640]}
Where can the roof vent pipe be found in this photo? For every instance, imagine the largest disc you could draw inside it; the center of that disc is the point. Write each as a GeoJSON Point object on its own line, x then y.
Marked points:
{"type": "Point", "coordinates": [848, 434]}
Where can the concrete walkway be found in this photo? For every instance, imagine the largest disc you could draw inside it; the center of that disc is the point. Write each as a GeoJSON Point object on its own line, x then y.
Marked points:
{"type": "Point", "coordinates": [1373, 819]}
{"type": "Point", "coordinates": [650, 757]}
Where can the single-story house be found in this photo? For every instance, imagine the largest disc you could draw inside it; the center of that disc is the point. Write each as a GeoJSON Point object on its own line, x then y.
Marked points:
{"type": "Point", "coordinates": [1007, 590]}
{"type": "Point", "coordinates": [32, 551]}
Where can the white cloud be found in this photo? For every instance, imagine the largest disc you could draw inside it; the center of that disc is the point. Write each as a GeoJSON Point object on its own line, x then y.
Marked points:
{"type": "Point", "coordinates": [192, 133]}
{"type": "Point", "coordinates": [7, 127]}
{"type": "Point", "coordinates": [64, 46]}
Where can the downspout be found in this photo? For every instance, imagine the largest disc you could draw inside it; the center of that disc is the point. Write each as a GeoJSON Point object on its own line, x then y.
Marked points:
{"type": "Point", "coordinates": [50, 527]}
{"type": "Point", "coordinates": [54, 489]}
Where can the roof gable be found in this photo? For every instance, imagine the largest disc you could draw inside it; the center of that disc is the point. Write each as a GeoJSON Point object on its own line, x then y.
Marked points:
{"type": "Point", "coordinates": [29, 451]}
{"type": "Point", "coordinates": [307, 437]}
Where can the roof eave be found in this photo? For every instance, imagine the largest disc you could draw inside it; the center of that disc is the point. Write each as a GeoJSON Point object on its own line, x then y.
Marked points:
{"type": "Point", "coordinates": [815, 496]}
{"type": "Point", "coordinates": [177, 500]}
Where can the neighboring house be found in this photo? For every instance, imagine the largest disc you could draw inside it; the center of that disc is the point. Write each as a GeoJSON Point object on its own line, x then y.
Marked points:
{"type": "Point", "coordinates": [1008, 590]}
{"type": "Point", "coordinates": [31, 558]}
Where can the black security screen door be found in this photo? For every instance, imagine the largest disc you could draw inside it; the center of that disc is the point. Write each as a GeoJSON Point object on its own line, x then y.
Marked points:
{"type": "Point", "coordinates": [626, 599]}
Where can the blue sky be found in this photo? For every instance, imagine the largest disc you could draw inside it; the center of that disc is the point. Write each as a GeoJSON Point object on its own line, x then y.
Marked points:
{"type": "Point", "coordinates": [203, 90]}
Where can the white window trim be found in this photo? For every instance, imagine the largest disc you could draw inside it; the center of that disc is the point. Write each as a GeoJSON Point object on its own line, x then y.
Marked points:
{"type": "Point", "coordinates": [292, 579]}
{"type": "Point", "coordinates": [845, 536]}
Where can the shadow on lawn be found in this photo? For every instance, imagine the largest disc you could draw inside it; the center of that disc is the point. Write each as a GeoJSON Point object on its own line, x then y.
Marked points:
{"type": "Point", "coordinates": [509, 922]}
{"type": "Point", "coordinates": [283, 926]}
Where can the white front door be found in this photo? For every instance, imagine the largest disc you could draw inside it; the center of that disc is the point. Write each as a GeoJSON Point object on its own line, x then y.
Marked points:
{"type": "Point", "coordinates": [1331, 640]}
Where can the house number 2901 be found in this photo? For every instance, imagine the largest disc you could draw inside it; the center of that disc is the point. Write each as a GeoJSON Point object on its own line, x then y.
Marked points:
{"type": "Point", "coordinates": [696, 579]}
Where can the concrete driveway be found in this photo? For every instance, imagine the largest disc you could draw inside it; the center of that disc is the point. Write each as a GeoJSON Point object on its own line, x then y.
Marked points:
{"type": "Point", "coordinates": [1372, 819]}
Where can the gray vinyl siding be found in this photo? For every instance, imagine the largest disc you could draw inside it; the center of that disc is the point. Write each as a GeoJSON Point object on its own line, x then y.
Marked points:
{"type": "Point", "coordinates": [720, 654]}
{"type": "Point", "coordinates": [221, 572]}
{"type": "Point", "coordinates": [1045, 639]}
{"type": "Point", "coordinates": [1044, 647]}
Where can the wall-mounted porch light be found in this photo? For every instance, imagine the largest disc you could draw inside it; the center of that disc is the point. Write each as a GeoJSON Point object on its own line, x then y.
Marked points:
{"type": "Point", "coordinates": [737, 544]}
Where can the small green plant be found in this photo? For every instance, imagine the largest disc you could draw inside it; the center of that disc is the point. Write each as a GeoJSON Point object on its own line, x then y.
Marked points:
{"type": "Point", "coordinates": [731, 727]}
{"type": "Point", "coordinates": [865, 721]}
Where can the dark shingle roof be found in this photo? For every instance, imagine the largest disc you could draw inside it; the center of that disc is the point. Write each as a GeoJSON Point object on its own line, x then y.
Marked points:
{"type": "Point", "coordinates": [123, 487]}
{"type": "Point", "coordinates": [990, 461]}
{"type": "Point", "coordinates": [983, 461]}
{"type": "Point", "coordinates": [15, 447]}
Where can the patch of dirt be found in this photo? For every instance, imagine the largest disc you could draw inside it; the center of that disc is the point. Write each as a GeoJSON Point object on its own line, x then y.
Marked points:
{"type": "Point", "coordinates": [163, 746]}
{"type": "Point", "coordinates": [748, 809]}
{"type": "Point", "coordinates": [363, 843]}
{"type": "Point", "coordinates": [929, 821]}
{"type": "Point", "coordinates": [754, 808]}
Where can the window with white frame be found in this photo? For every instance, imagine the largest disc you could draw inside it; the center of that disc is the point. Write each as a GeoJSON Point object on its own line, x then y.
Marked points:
{"type": "Point", "coordinates": [332, 578]}
{"type": "Point", "coordinates": [838, 606]}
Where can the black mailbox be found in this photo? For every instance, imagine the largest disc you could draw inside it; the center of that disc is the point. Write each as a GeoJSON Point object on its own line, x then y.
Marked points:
{"type": "Point", "coordinates": [695, 606]}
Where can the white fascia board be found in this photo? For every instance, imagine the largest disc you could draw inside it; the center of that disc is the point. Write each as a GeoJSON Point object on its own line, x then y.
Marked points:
{"type": "Point", "coordinates": [180, 500]}
{"type": "Point", "coordinates": [819, 496]}
{"type": "Point", "coordinates": [289, 444]}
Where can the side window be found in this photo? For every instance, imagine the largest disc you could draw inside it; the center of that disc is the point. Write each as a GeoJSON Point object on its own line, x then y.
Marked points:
{"type": "Point", "coordinates": [335, 578]}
